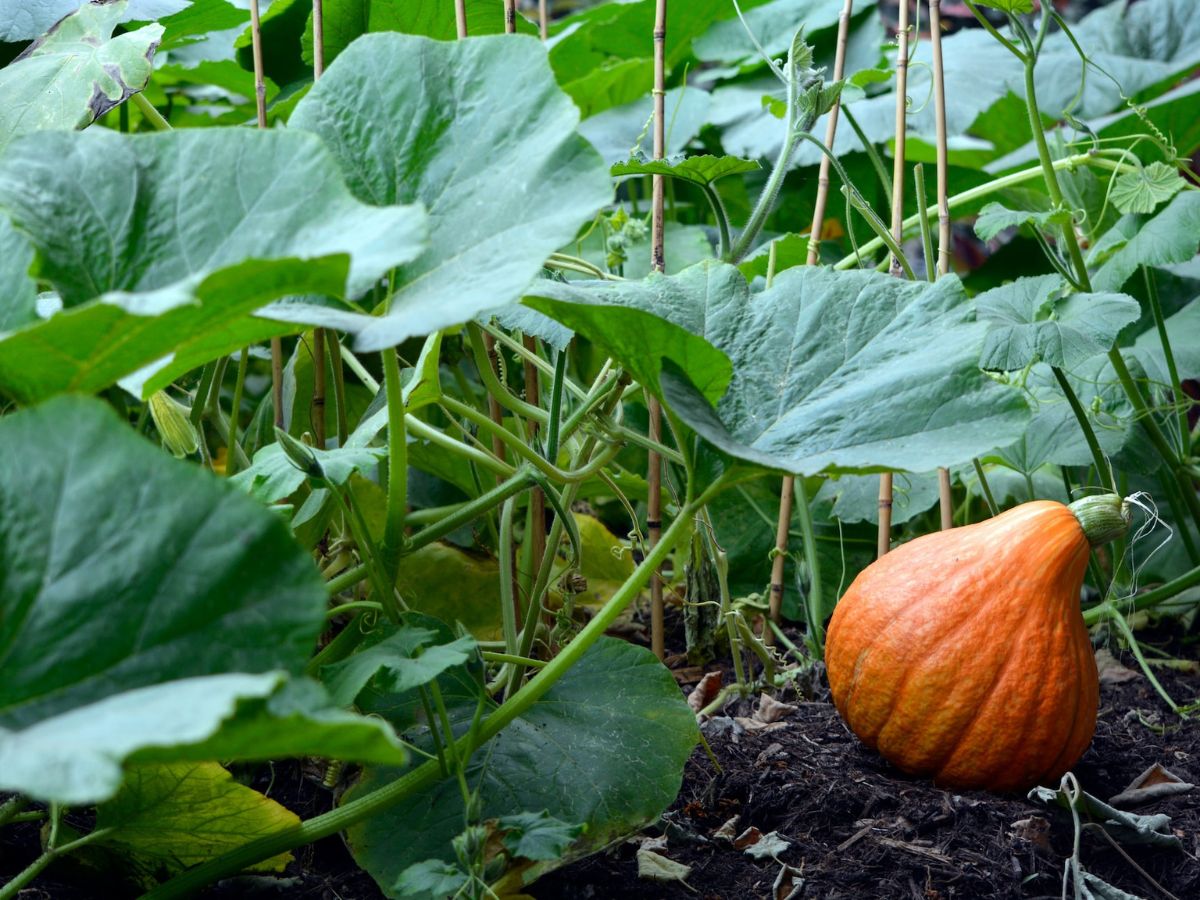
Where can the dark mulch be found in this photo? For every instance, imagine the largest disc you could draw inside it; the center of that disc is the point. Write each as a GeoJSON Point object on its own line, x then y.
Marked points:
{"type": "Point", "coordinates": [855, 827]}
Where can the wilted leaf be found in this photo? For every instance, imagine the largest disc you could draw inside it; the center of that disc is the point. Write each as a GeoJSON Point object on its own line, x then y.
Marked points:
{"type": "Point", "coordinates": [1153, 784]}
{"type": "Point", "coordinates": [76, 73]}
{"type": "Point", "coordinates": [169, 817]}
{"type": "Point", "coordinates": [656, 867]}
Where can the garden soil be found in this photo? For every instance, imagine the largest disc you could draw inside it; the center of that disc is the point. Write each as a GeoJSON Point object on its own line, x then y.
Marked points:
{"type": "Point", "coordinates": [846, 824]}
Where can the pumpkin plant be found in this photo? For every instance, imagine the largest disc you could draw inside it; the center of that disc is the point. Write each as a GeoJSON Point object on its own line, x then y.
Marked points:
{"type": "Point", "coordinates": [397, 551]}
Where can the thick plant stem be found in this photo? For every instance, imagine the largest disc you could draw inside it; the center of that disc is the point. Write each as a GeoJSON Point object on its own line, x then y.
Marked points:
{"type": "Point", "coordinates": [945, 497]}
{"type": "Point", "coordinates": [334, 346]}
{"type": "Point", "coordinates": [985, 190]}
{"type": "Point", "coordinates": [1168, 354]}
{"type": "Point", "coordinates": [1103, 471]}
{"type": "Point", "coordinates": [14, 887]}
{"type": "Point", "coordinates": [787, 488]}
{"type": "Point", "coordinates": [536, 534]}
{"type": "Point", "coordinates": [1149, 599]}
{"type": "Point", "coordinates": [397, 486]}
{"type": "Point", "coordinates": [885, 479]}
{"type": "Point", "coordinates": [814, 606]}
{"type": "Point", "coordinates": [317, 412]}
{"type": "Point", "coordinates": [428, 773]}
{"type": "Point", "coordinates": [318, 350]}
{"type": "Point", "coordinates": [235, 412]}
{"type": "Point", "coordinates": [658, 264]}
{"type": "Point", "coordinates": [152, 115]}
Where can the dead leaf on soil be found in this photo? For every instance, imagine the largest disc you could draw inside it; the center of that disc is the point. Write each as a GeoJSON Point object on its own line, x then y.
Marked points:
{"type": "Point", "coordinates": [771, 710]}
{"type": "Point", "coordinates": [1111, 669]}
{"type": "Point", "coordinates": [788, 883]}
{"type": "Point", "coordinates": [757, 726]}
{"type": "Point", "coordinates": [770, 845]}
{"type": "Point", "coordinates": [705, 692]}
{"type": "Point", "coordinates": [655, 867]}
{"type": "Point", "coordinates": [754, 843]}
{"type": "Point", "coordinates": [1156, 783]}
{"type": "Point", "coordinates": [685, 674]}
{"type": "Point", "coordinates": [727, 831]}
{"type": "Point", "coordinates": [1035, 830]}
{"type": "Point", "coordinates": [750, 836]}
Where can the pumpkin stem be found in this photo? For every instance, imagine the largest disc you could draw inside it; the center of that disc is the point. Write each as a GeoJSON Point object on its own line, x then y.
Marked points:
{"type": "Point", "coordinates": [1103, 517]}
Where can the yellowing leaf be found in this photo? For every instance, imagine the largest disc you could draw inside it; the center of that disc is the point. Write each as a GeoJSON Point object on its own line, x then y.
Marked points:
{"type": "Point", "coordinates": [454, 586]}
{"type": "Point", "coordinates": [170, 817]}
{"type": "Point", "coordinates": [607, 562]}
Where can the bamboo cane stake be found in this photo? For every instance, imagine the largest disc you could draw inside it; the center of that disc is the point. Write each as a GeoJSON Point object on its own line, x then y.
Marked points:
{"type": "Point", "coordinates": [510, 16]}
{"type": "Point", "coordinates": [786, 492]}
{"type": "Point", "coordinates": [460, 17]}
{"type": "Point", "coordinates": [544, 19]}
{"type": "Point", "coordinates": [885, 479]}
{"type": "Point", "coordinates": [658, 263]}
{"type": "Point", "coordinates": [260, 100]}
{"type": "Point", "coordinates": [943, 266]}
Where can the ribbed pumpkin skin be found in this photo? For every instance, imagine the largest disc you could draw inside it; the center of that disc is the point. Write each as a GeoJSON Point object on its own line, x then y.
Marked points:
{"type": "Point", "coordinates": [962, 655]}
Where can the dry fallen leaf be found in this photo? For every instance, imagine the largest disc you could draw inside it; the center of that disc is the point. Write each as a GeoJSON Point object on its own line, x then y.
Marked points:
{"type": "Point", "coordinates": [771, 710]}
{"type": "Point", "coordinates": [1111, 669]}
{"type": "Point", "coordinates": [655, 867]}
{"type": "Point", "coordinates": [1153, 784]}
{"type": "Point", "coordinates": [788, 883]}
{"type": "Point", "coordinates": [1035, 830]}
{"type": "Point", "coordinates": [727, 831]}
{"type": "Point", "coordinates": [704, 693]}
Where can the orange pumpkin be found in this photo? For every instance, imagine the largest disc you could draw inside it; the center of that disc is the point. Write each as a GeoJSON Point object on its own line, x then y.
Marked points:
{"type": "Point", "coordinates": [962, 655]}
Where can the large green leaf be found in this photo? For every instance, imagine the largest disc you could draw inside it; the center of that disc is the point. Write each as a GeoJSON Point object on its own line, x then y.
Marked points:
{"type": "Point", "coordinates": [172, 816]}
{"type": "Point", "coordinates": [831, 370]}
{"type": "Point", "coordinates": [132, 583]}
{"type": "Point", "coordinates": [18, 293]}
{"type": "Point", "coordinates": [345, 20]}
{"type": "Point", "coordinates": [76, 73]}
{"type": "Point", "coordinates": [1029, 320]}
{"type": "Point", "coordinates": [505, 177]}
{"type": "Point", "coordinates": [774, 25]}
{"type": "Point", "coordinates": [605, 746]}
{"type": "Point", "coordinates": [78, 755]}
{"type": "Point", "coordinates": [156, 267]}
{"type": "Point", "coordinates": [645, 322]}
{"type": "Point", "coordinates": [22, 20]}
{"type": "Point", "coordinates": [1172, 236]}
